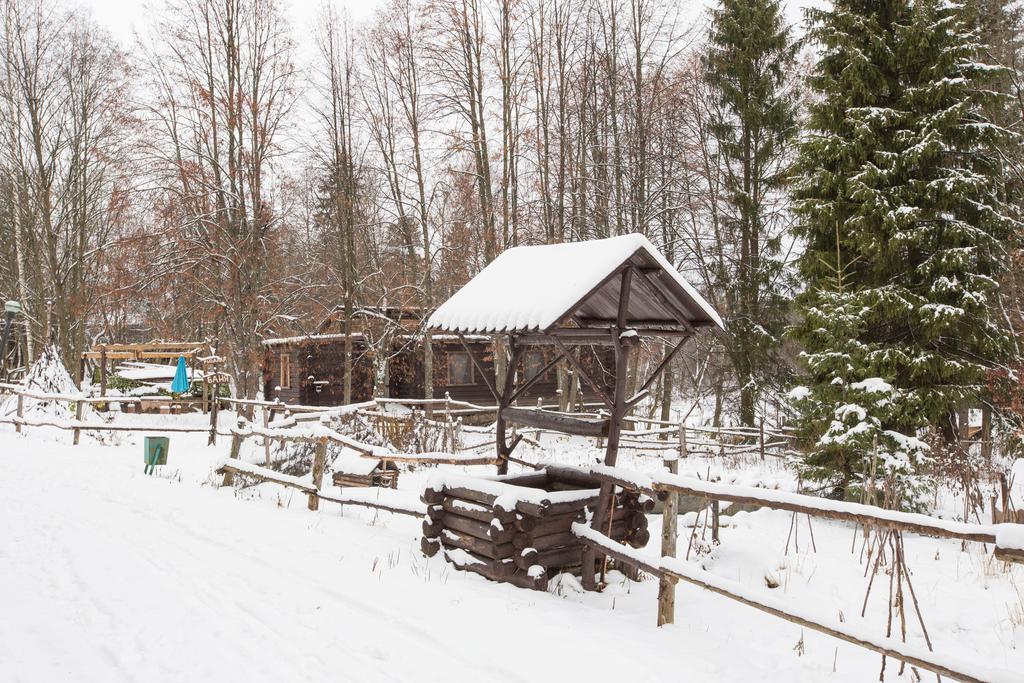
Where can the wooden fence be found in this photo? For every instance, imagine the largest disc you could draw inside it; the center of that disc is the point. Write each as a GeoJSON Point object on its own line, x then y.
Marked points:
{"type": "Point", "coordinates": [305, 426]}
{"type": "Point", "coordinates": [291, 431]}
{"type": "Point", "coordinates": [231, 468]}
{"type": "Point", "coordinates": [442, 418]}
{"type": "Point", "coordinates": [668, 486]}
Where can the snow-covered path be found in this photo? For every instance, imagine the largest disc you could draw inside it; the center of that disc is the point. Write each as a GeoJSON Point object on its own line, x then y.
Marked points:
{"type": "Point", "coordinates": [108, 575]}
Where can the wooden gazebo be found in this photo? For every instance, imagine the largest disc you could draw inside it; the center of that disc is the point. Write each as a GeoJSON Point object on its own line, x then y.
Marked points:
{"type": "Point", "coordinates": [609, 292]}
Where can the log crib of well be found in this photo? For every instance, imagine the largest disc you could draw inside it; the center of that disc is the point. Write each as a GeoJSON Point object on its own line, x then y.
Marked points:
{"type": "Point", "coordinates": [518, 528]}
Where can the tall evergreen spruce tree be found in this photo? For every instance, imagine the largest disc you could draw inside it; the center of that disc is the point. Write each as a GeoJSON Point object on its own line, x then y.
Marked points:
{"type": "Point", "coordinates": [748, 64]}
{"type": "Point", "coordinates": [898, 200]}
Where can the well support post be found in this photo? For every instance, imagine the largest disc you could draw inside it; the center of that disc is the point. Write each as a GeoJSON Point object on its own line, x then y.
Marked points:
{"type": "Point", "coordinates": [623, 344]}
{"type": "Point", "coordinates": [503, 449]}
{"type": "Point", "coordinates": [669, 534]}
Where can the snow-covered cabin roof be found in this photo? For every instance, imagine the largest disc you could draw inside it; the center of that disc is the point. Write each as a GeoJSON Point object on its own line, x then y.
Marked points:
{"type": "Point", "coordinates": [534, 288]}
{"type": "Point", "coordinates": [312, 338]}
{"type": "Point", "coordinates": [333, 337]}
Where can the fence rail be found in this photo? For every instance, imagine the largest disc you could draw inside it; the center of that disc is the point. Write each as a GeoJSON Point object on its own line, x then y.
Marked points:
{"type": "Point", "coordinates": [231, 468]}
{"type": "Point", "coordinates": [669, 570]}
{"type": "Point", "coordinates": [649, 435]}
{"type": "Point", "coordinates": [663, 485]}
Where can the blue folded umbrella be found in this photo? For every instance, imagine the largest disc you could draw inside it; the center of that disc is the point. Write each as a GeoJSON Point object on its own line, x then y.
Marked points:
{"type": "Point", "coordinates": [180, 383]}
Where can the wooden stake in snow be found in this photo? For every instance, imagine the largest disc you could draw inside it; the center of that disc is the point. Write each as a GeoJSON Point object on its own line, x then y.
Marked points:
{"type": "Point", "coordinates": [319, 464]}
{"type": "Point", "coordinates": [266, 441]}
{"type": "Point", "coordinates": [103, 371]}
{"type": "Point", "coordinates": [21, 413]}
{"type": "Point", "coordinates": [214, 409]}
{"type": "Point", "coordinates": [79, 405]}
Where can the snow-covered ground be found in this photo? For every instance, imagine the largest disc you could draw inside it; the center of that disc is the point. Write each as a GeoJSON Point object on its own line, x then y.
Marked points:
{"type": "Point", "coordinates": [109, 575]}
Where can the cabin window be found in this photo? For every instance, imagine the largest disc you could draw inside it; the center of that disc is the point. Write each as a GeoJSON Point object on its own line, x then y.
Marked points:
{"type": "Point", "coordinates": [285, 377]}
{"type": "Point", "coordinates": [533, 363]}
{"type": "Point", "coordinates": [460, 368]}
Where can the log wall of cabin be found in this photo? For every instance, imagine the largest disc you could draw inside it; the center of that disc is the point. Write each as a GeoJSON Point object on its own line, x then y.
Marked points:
{"type": "Point", "coordinates": [317, 373]}
{"type": "Point", "coordinates": [322, 361]}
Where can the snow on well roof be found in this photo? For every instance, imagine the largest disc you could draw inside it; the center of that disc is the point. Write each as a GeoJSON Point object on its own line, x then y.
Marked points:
{"type": "Point", "coordinates": [533, 288]}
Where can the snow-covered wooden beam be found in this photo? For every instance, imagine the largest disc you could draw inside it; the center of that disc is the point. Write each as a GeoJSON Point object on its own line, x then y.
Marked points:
{"type": "Point", "coordinates": [378, 500]}
{"type": "Point", "coordinates": [99, 427]}
{"type": "Point", "coordinates": [859, 513]}
{"type": "Point", "coordinates": [465, 459]}
{"type": "Point", "coordinates": [1010, 542]}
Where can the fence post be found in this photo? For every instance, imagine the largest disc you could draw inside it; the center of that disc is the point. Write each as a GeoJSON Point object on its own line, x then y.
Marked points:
{"type": "Point", "coordinates": [266, 441]}
{"type": "Point", "coordinates": [21, 412]}
{"type": "Point", "coordinates": [103, 371]}
{"type": "Point", "coordinates": [714, 520]}
{"type": "Point", "coordinates": [214, 409]}
{"type": "Point", "coordinates": [206, 391]}
{"type": "Point", "coordinates": [78, 418]}
{"type": "Point", "coordinates": [236, 447]}
{"type": "Point", "coordinates": [761, 434]}
{"type": "Point", "coordinates": [319, 464]}
{"type": "Point", "coordinates": [682, 440]}
{"type": "Point", "coordinates": [669, 532]}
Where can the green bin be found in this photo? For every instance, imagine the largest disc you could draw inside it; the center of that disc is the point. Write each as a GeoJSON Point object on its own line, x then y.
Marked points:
{"type": "Point", "coordinates": [155, 452]}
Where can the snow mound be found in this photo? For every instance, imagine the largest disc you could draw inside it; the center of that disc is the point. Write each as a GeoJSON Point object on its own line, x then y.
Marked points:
{"type": "Point", "coordinates": [48, 375]}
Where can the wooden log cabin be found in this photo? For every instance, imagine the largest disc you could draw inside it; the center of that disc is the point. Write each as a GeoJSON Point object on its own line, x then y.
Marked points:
{"type": "Point", "coordinates": [309, 369]}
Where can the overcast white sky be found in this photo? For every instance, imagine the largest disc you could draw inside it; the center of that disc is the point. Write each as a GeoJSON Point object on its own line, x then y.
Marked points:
{"type": "Point", "coordinates": [123, 17]}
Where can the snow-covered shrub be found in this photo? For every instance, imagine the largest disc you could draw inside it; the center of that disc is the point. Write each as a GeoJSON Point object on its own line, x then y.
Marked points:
{"type": "Point", "coordinates": [49, 375]}
{"type": "Point", "coordinates": [296, 458]}
{"type": "Point", "coordinates": [859, 447]}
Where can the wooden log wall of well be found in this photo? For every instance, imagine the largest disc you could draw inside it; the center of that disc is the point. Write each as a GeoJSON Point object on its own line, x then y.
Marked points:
{"type": "Point", "coordinates": [518, 528]}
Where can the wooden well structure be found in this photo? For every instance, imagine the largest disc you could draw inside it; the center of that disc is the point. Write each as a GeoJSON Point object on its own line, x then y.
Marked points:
{"type": "Point", "coordinates": [609, 293]}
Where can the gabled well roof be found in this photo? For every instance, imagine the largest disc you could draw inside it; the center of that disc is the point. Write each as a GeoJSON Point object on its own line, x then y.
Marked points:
{"type": "Point", "coordinates": [529, 289]}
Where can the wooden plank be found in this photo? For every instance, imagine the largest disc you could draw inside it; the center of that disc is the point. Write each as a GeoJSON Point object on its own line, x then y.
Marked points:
{"type": "Point", "coordinates": [375, 505]}
{"type": "Point", "coordinates": [488, 549]}
{"type": "Point", "coordinates": [485, 531]}
{"type": "Point", "coordinates": [498, 572]}
{"type": "Point", "coordinates": [112, 355]}
{"type": "Point", "coordinates": [937, 530]}
{"type": "Point", "coordinates": [559, 422]}
{"type": "Point", "coordinates": [590, 338]}
{"type": "Point", "coordinates": [227, 469]}
{"type": "Point", "coordinates": [89, 427]}
{"type": "Point", "coordinates": [1009, 555]}
{"type": "Point", "coordinates": [622, 354]}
